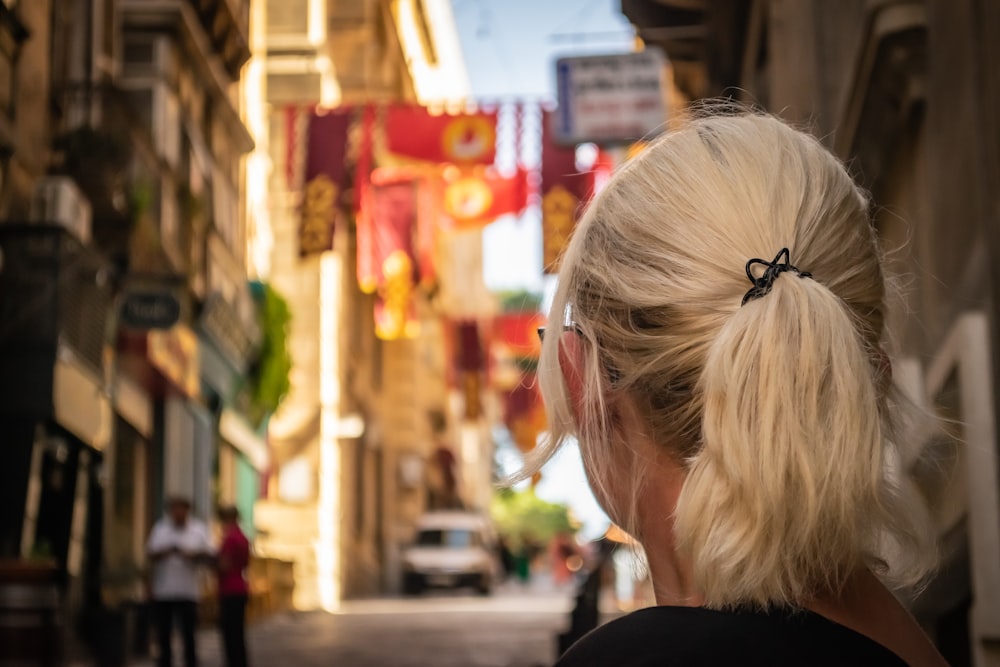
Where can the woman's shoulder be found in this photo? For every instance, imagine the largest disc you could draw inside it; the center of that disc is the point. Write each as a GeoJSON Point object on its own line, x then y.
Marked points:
{"type": "Point", "coordinates": [695, 637]}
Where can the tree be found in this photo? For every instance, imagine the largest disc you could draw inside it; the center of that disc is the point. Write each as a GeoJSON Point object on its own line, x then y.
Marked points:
{"type": "Point", "coordinates": [522, 515]}
{"type": "Point", "coordinates": [268, 380]}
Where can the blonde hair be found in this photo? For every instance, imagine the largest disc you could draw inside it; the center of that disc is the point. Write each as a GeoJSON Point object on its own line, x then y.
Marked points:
{"type": "Point", "coordinates": [777, 409]}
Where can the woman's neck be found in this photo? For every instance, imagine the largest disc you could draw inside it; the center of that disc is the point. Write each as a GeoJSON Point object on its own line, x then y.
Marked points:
{"type": "Point", "coordinates": [671, 571]}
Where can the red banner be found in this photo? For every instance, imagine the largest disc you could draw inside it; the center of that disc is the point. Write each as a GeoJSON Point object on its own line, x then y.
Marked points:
{"type": "Point", "coordinates": [477, 197]}
{"type": "Point", "coordinates": [394, 225]}
{"type": "Point", "coordinates": [517, 333]}
{"type": "Point", "coordinates": [464, 139]}
{"type": "Point", "coordinates": [514, 348]}
{"type": "Point", "coordinates": [324, 180]}
{"type": "Point", "coordinates": [524, 414]}
{"type": "Point", "coordinates": [381, 204]}
{"type": "Point", "coordinates": [564, 188]}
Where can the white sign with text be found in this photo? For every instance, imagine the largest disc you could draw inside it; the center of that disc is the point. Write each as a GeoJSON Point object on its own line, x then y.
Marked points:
{"type": "Point", "coordinates": [611, 99]}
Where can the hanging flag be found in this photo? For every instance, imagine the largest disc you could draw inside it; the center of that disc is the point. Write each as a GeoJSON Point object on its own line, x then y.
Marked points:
{"type": "Point", "coordinates": [463, 139]}
{"type": "Point", "coordinates": [524, 413]}
{"type": "Point", "coordinates": [365, 232]}
{"type": "Point", "coordinates": [324, 179]}
{"type": "Point", "coordinates": [564, 189]}
{"type": "Point", "coordinates": [394, 221]}
{"type": "Point", "coordinates": [515, 347]}
{"type": "Point", "coordinates": [381, 196]}
{"type": "Point", "coordinates": [430, 199]}
{"type": "Point", "coordinates": [470, 365]}
{"type": "Point", "coordinates": [363, 151]}
{"type": "Point", "coordinates": [477, 197]}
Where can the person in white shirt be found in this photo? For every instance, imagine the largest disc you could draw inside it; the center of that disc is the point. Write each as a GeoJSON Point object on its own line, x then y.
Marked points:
{"type": "Point", "coordinates": [177, 547]}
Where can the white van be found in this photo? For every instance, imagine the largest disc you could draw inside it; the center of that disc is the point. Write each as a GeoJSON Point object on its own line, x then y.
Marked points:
{"type": "Point", "coordinates": [451, 549]}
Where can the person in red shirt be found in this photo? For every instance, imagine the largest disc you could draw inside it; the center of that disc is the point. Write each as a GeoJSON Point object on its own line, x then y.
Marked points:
{"type": "Point", "coordinates": [233, 558]}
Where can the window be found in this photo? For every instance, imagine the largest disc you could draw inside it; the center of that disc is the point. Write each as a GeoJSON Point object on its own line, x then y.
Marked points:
{"type": "Point", "coordinates": [452, 539]}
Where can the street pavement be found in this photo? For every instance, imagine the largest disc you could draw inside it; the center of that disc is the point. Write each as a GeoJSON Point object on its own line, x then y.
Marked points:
{"type": "Point", "coordinates": [515, 627]}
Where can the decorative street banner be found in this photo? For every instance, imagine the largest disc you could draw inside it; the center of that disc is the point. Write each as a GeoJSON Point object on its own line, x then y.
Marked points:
{"type": "Point", "coordinates": [514, 351]}
{"type": "Point", "coordinates": [324, 179]}
{"type": "Point", "coordinates": [564, 188]}
{"type": "Point", "coordinates": [515, 347]}
{"type": "Point", "coordinates": [524, 414]}
{"type": "Point", "coordinates": [362, 152]}
{"type": "Point", "coordinates": [391, 195]}
{"type": "Point", "coordinates": [394, 247]}
{"type": "Point", "coordinates": [477, 197]}
{"type": "Point", "coordinates": [470, 366]}
{"type": "Point", "coordinates": [464, 139]}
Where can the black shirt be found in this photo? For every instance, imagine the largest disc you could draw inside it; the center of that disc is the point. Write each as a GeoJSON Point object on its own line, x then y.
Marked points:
{"type": "Point", "coordinates": [698, 637]}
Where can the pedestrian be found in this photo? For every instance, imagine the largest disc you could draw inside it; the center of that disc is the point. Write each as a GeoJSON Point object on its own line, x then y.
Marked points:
{"type": "Point", "coordinates": [506, 557]}
{"type": "Point", "coordinates": [715, 347]}
{"type": "Point", "coordinates": [234, 591]}
{"type": "Point", "coordinates": [178, 546]}
{"type": "Point", "coordinates": [562, 552]}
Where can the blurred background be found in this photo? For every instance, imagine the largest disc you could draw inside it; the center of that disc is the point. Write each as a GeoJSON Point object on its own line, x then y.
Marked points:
{"type": "Point", "coordinates": [292, 255]}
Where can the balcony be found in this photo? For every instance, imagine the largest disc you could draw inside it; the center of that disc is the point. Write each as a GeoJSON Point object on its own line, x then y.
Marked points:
{"type": "Point", "coordinates": [105, 143]}
{"type": "Point", "coordinates": [54, 293]}
{"type": "Point", "coordinates": [218, 31]}
{"type": "Point", "coordinates": [704, 39]}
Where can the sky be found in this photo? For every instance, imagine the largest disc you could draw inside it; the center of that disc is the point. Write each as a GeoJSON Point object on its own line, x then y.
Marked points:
{"type": "Point", "coordinates": [510, 49]}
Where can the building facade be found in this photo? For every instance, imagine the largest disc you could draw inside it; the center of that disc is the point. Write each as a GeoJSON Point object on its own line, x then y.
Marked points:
{"type": "Point", "coordinates": [122, 206]}
{"type": "Point", "coordinates": [905, 92]}
{"type": "Point", "coordinates": [351, 443]}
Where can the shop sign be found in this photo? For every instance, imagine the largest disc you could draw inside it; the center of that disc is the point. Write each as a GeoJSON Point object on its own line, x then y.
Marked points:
{"type": "Point", "coordinates": [174, 352]}
{"type": "Point", "coordinates": [154, 309]}
{"type": "Point", "coordinates": [611, 99]}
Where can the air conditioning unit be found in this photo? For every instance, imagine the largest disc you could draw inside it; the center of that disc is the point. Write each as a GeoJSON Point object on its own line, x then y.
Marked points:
{"type": "Point", "coordinates": [58, 201]}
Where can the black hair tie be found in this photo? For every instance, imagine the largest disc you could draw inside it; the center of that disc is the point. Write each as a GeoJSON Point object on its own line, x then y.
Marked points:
{"type": "Point", "coordinates": [762, 285]}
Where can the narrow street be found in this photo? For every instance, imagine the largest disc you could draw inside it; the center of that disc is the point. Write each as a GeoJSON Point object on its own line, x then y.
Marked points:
{"type": "Point", "coordinates": [515, 627]}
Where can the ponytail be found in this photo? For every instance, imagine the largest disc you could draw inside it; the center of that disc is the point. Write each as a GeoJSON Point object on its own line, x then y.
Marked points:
{"type": "Point", "coordinates": [786, 496]}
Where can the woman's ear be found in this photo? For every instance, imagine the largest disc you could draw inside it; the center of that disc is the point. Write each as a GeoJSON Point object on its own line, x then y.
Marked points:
{"type": "Point", "coordinates": [571, 363]}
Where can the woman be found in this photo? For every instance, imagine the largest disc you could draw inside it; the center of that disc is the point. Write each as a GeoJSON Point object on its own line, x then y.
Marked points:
{"type": "Point", "coordinates": [234, 591]}
{"type": "Point", "coordinates": [719, 362]}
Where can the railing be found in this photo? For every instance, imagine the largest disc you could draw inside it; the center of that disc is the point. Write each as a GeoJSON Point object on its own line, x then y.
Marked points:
{"type": "Point", "coordinates": [104, 142]}
{"type": "Point", "coordinates": [54, 289]}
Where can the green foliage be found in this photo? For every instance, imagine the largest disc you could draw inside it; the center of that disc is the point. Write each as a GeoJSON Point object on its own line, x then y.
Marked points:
{"type": "Point", "coordinates": [519, 301]}
{"type": "Point", "coordinates": [268, 382]}
{"type": "Point", "coordinates": [522, 515]}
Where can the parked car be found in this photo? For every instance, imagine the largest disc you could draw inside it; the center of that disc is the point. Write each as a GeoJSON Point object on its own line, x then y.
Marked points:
{"type": "Point", "coordinates": [451, 549]}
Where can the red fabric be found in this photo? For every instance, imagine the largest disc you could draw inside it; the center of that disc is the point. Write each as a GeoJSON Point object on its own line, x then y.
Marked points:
{"type": "Point", "coordinates": [365, 157]}
{"type": "Point", "coordinates": [519, 332]}
{"type": "Point", "coordinates": [393, 210]}
{"type": "Point", "coordinates": [234, 557]}
{"type": "Point", "coordinates": [470, 352]}
{"type": "Point", "coordinates": [412, 131]}
{"type": "Point", "coordinates": [477, 197]}
{"type": "Point", "coordinates": [325, 179]}
{"type": "Point", "coordinates": [399, 210]}
{"type": "Point", "coordinates": [564, 189]}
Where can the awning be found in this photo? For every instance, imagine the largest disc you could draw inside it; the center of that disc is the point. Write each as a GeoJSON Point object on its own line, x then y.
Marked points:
{"type": "Point", "coordinates": [234, 430]}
